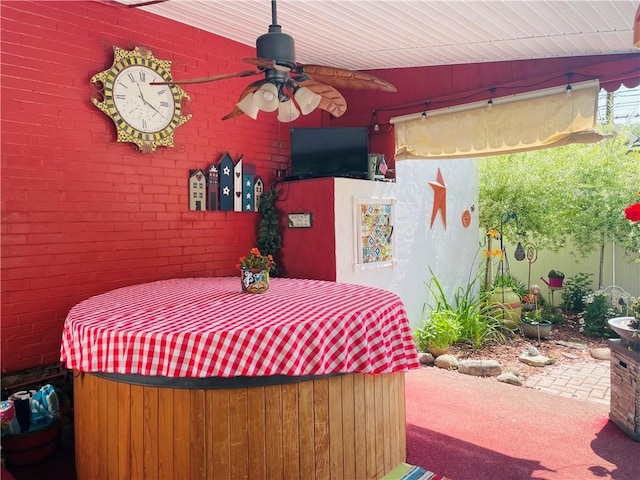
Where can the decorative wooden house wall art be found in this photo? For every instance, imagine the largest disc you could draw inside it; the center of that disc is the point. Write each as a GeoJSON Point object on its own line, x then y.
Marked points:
{"type": "Point", "coordinates": [226, 186]}
{"type": "Point", "coordinates": [197, 189]}
{"type": "Point", "coordinates": [248, 178]}
{"type": "Point", "coordinates": [225, 169]}
{"type": "Point", "coordinates": [213, 183]}
{"type": "Point", "coordinates": [374, 228]}
{"type": "Point", "coordinates": [258, 190]}
{"type": "Point", "coordinates": [237, 186]}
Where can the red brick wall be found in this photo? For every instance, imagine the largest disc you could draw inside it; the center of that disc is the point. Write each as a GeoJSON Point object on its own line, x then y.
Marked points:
{"type": "Point", "coordinates": [81, 214]}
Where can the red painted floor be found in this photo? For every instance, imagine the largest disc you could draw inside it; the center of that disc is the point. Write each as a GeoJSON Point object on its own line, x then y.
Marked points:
{"type": "Point", "coordinates": [471, 428]}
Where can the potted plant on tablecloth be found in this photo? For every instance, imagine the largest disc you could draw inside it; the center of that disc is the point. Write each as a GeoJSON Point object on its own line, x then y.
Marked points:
{"type": "Point", "coordinates": [254, 271]}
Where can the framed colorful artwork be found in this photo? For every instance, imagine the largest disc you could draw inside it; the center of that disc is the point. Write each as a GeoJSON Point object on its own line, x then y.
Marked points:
{"type": "Point", "coordinates": [374, 220]}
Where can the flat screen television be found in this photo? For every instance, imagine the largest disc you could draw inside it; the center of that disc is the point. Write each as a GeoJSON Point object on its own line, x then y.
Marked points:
{"type": "Point", "coordinates": [329, 152]}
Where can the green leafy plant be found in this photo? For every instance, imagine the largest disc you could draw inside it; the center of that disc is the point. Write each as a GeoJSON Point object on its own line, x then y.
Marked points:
{"type": "Point", "coordinates": [550, 315]}
{"type": "Point", "coordinates": [442, 329]}
{"type": "Point", "coordinates": [471, 310]}
{"type": "Point", "coordinates": [555, 274]}
{"type": "Point", "coordinates": [575, 289]}
{"type": "Point", "coordinates": [634, 309]}
{"type": "Point", "coordinates": [598, 310]}
{"type": "Point", "coordinates": [269, 238]}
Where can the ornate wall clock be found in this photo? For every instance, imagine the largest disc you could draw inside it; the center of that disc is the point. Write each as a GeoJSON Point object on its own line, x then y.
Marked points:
{"type": "Point", "coordinates": [144, 114]}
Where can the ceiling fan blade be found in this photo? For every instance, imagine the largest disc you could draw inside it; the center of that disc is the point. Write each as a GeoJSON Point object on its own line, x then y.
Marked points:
{"type": "Point", "coordinates": [249, 90]}
{"type": "Point", "coordinates": [341, 78]}
{"type": "Point", "coordinates": [332, 101]}
{"type": "Point", "coordinates": [213, 78]}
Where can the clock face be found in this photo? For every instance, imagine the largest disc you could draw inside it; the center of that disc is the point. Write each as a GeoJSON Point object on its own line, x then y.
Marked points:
{"type": "Point", "coordinates": [144, 114]}
{"type": "Point", "coordinates": [145, 107]}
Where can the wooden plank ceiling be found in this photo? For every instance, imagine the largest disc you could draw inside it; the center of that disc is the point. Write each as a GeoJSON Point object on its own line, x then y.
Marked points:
{"type": "Point", "coordinates": [383, 34]}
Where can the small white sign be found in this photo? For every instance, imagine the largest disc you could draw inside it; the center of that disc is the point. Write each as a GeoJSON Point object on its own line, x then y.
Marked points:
{"type": "Point", "coordinates": [299, 220]}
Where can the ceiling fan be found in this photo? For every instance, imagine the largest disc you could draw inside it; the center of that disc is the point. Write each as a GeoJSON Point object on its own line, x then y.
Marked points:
{"type": "Point", "coordinates": [289, 87]}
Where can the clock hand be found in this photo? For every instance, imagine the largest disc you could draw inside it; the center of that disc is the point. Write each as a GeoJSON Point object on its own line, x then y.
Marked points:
{"type": "Point", "coordinates": [154, 108]}
{"type": "Point", "coordinates": [145, 100]}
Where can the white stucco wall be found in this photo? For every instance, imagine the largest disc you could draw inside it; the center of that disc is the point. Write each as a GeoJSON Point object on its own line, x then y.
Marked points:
{"type": "Point", "coordinates": [452, 253]}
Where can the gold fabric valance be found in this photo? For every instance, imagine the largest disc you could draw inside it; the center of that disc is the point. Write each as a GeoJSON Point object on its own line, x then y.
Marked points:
{"type": "Point", "coordinates": [540, 119]}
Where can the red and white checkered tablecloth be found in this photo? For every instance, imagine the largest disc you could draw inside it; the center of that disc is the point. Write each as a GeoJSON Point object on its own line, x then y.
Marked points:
{"type": "Point", "coordinates": [206, 327]}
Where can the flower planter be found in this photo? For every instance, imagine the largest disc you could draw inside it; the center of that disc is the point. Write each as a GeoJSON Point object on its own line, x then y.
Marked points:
{"type": "Point", "coordinates": [555, 282]}
{"type": "Point", "coordinates": [507, 306]}
{"type": "Point", "coordinates": [437, 351]}
{"type": "Point", "coordinates": [539, 330]}
{"type": "Point", "coordinates": [254, 280]}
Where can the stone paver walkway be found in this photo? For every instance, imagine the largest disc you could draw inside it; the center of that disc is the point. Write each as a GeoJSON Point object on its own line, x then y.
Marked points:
{"type": "Point", "coordinates": [584, 380]}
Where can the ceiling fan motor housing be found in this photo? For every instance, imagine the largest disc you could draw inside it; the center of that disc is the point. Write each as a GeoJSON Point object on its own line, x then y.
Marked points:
{"type": "Point", "coordinates": [277, 46]}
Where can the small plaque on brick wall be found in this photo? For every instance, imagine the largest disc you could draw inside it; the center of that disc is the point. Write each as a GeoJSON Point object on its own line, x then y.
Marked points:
{"type": "Point", "coordinates": [300, 220]}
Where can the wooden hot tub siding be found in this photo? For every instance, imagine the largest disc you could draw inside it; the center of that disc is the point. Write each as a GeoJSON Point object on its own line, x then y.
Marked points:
{"type": "Point", "coordinates": [347, 426]}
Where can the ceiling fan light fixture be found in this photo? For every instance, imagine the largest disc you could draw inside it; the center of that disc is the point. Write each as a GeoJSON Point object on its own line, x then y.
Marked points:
{"type": "Point", "coordinates": [307, 100]}
{"type": "Point", "coordinates": [266, 98]}
{"type": "Point", "coordinates": [248, 107]}
{"type": "Point", "coordinates": [287, 112]}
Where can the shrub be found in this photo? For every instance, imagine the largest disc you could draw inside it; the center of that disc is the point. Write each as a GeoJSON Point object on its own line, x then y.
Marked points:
{"type": "Point", "coordinates": [440, 330]}
{"type": "Point", "coordinates": [574, 291]}
{"type": "Point", "coordinates": [598, 310]}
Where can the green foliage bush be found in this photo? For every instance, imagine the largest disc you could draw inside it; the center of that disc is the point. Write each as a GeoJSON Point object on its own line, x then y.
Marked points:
{"type": "Point", "coordinates": [442, 329]}
{"type": "Point", "coordinates": [574, 291]}
{"type": "Point", "coordinates": [598, 309]}
{"type": "Point", "coordinates": [469, 307]}
{"type": "Point", "coordinates": [269, 239]}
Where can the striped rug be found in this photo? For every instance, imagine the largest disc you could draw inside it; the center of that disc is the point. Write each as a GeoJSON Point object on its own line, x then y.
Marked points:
{"type": "Point", "coordinates": [404, 471]}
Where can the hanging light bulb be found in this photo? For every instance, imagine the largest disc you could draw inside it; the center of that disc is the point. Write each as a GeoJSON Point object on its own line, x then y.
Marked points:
{"type": "Point", "coordinates": [424, 112]}
{"type": "Point", "coordinates": [266, 98]}
{"type": "Point", "coordinates": [490, 102]}
{"type": "Point", "coordinates": [287, 111]}
{"type": "Point", "coordinates": [374, 121]}
{"type": "Point", "coordinates": [569, 89]}
{"type": "Point", "coordinates": [307, 100]}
